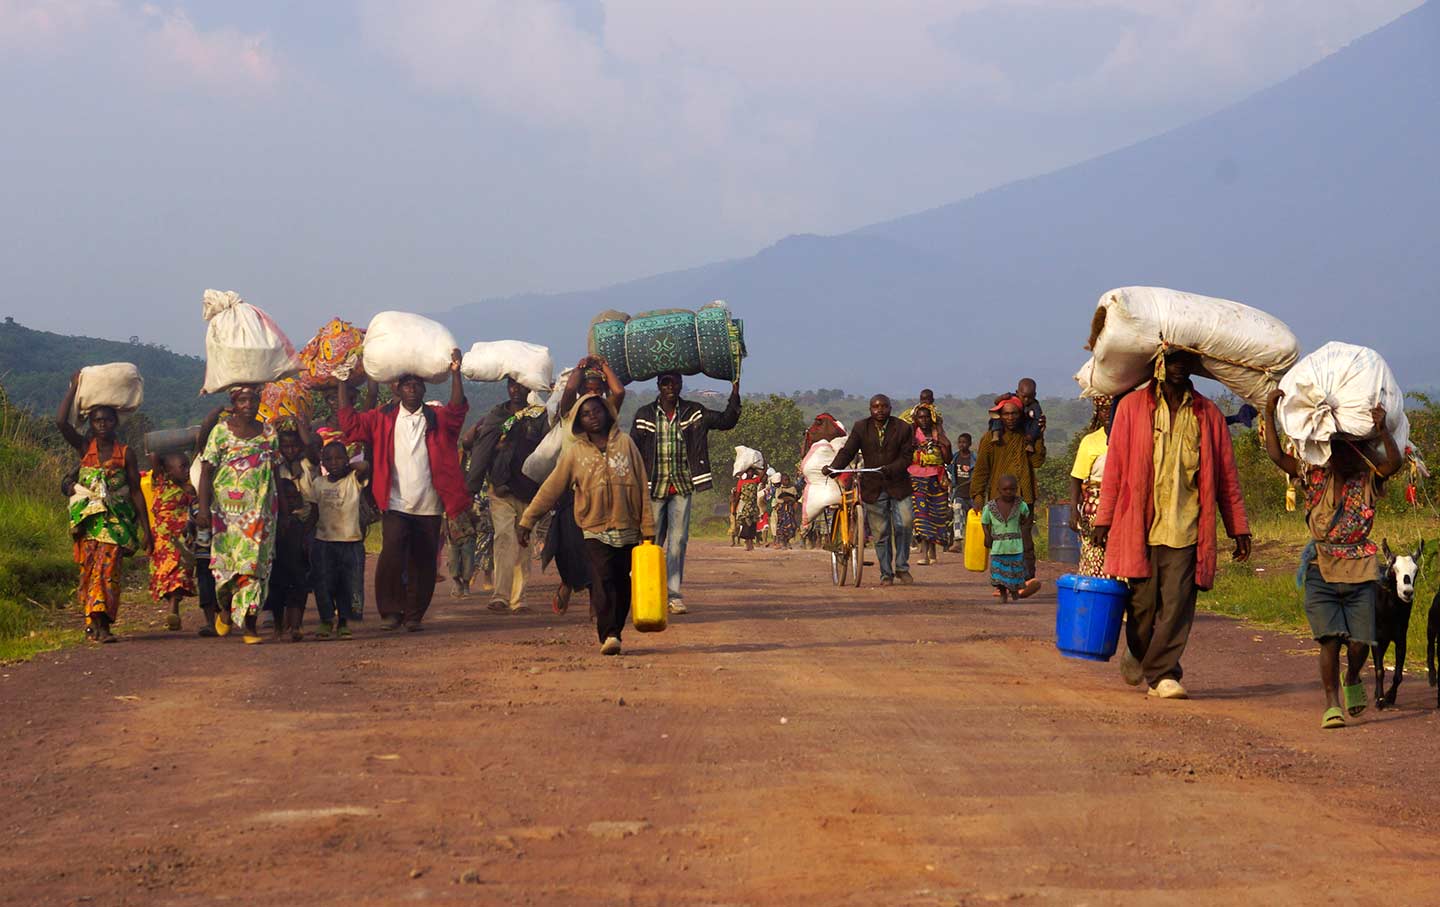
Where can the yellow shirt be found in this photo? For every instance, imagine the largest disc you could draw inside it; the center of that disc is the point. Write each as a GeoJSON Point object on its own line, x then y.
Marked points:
{"type": "Point", "coordinates": [1090, 457]}
{"type": "Point", "coordinates": [1177, 472]}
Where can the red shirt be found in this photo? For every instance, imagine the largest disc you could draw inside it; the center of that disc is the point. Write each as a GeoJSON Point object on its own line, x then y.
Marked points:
{"type": "Point", "coordinates": [1127, 492]}
{"type": "Point", "coordinates": [377, 428]}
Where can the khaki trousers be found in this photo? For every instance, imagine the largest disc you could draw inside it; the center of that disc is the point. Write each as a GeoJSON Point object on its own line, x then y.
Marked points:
{"type": "Point", "coordinates": [511, 562]}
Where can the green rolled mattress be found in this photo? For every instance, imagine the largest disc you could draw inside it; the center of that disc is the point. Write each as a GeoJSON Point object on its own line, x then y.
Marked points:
{"type": "Point", "coordinates": [704, 342]}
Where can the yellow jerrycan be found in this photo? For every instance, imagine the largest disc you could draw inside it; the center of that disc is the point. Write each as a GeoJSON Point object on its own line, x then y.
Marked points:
{"type": "Point", "coordinates": [975, 553]}
{"type": "Point", "coordinates": [648, 593]}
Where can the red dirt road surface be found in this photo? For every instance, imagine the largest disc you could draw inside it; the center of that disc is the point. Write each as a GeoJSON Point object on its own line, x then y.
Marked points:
{"type": "Point", "coordinates": [785, 743]}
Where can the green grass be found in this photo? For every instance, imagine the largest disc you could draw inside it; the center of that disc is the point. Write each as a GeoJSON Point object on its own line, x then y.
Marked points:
{"type": "Point", "coordinates": [1264, 591]}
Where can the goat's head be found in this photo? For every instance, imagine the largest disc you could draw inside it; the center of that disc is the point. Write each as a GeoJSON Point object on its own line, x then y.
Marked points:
{"type": "Point", "coordinates": [1403, 571]}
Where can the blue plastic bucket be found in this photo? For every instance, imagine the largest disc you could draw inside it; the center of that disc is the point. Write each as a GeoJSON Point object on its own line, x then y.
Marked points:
{"type": "Point", "coordinates": [1088, 616]}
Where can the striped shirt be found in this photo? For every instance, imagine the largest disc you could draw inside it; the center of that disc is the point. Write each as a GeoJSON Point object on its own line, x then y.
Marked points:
{"type": "Point", "coordinates": [672, 472]}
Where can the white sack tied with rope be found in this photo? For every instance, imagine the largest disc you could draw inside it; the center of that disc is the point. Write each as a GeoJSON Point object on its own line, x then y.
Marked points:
{"type": "Point", "coordinates": [1332, 391]}
{"type": "Point", "coordinates": [243, 344]}
{"type": "Point", "coordinates": [745, 458]}
{"type": "Point", "coordinates": [1243, 348]}
{"type": "Point", "coordinates": [821, 491]}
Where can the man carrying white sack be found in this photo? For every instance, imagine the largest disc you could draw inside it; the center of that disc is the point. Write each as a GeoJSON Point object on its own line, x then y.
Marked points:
{"type": "Point", "coordinates": [508, 434]}
{"type": "Point", "coordinates": [417, 483]}
{"type": "Point", "coordinates": [674, 440]}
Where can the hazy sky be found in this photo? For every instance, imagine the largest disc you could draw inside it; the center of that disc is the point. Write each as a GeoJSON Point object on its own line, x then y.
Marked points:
{"type": "Point", "coordinates": [348, 156]}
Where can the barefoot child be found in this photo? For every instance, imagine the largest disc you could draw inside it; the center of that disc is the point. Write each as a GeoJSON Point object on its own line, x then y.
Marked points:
{"type": "Point", "coordinates": [338, 554]}
{"type": "Point", "coordinates": [1338, 567]}
{"type": "Point", "coordinates": [107, 512]}
{"type": "Point", "coordinates": [172, 561]}
{"type": "Point", "coordinates": [1004, 519]}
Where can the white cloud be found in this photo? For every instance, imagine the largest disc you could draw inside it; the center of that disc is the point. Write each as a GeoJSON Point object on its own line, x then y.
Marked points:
{"type": "Point", "coordinates": [41, 24]}
{"type": "Point", "coordinates": [172, 50]}
{"type": "Point", "coordinates": [223, 58]}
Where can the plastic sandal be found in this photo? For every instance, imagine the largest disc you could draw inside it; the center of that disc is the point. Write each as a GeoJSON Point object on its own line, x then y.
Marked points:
{"type": "Point", "coordinates": [1355, 698]}
{"type": "Point", "coordinates": [1334, 718]}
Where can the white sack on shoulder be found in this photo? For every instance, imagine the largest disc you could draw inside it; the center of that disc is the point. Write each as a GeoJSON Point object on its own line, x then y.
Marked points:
{"type": "Point", "coordinates": [745, 458]}
{"type": "Point", "coordinates": [821, 491]}
{"type": "Point", "coordinates": [1243, 348]}
{"type": "Point", "coordinates": [116, 384]}
{"type": "Point", "coordinates": [402, 343]}
{"type": "Point", "coordinates": [243, 344]}
{"type": "Point", "coordinates": [1331, 391]}
{"type": "Point", "coordinates": [528, 363]}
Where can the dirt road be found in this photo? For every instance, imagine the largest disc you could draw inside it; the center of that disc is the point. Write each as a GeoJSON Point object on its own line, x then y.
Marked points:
{"type": "Point", "coordinates": [785, 743]}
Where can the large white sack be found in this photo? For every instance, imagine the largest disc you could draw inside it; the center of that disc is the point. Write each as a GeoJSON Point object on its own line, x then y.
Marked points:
{"type": "Point", "coordinates": [243, 345]}
{"type": "Point", "coordinates": [116, 384]}
{"type": "Point", "coordinates": [745, 458]}
{"type": "Point", "coordinates": [528, 363]}
{"type": "Point", "coordinates": [546, 455]}
{"type": "Point", "coordinates": [402, 343]}
{"type": "Point", "coordinates": [821, 491]}
{"type": "Point", "coordinates": [1331, 391]}
{"type": "Point", "coordinates": [1243, 348]}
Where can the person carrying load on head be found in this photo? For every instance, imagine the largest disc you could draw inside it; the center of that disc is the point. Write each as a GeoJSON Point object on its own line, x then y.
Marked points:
{"type": "Point", "coordinates": [417, 482]}
{"type": "Point", "coordinates": [1169, 468]}
{"type": "Point", "coordinates": [674, 439]}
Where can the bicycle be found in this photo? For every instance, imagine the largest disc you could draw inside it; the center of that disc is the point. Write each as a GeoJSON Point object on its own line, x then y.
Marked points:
{"type": "Point", "coordinates": [849, 532]}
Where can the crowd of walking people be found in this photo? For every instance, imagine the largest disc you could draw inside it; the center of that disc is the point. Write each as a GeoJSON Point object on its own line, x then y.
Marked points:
{"type": "Point", "coordinates": [279, 511]}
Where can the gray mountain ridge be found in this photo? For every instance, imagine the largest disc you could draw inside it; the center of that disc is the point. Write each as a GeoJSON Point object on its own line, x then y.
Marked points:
{"type": "Point", "coordinates": [1315, 200]}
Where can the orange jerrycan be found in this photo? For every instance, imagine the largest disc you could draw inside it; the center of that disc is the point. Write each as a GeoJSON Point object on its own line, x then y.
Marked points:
{"type": "Point", "coordinates": [975, 553]}
{"type": "Point", "coordinates": [648, 593]}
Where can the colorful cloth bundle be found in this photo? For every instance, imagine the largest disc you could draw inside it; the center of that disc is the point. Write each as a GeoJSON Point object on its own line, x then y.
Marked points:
{"type": "Point", "coordinates": [333, 352]}
{"type": "Point", "coordinates": [284, 399]}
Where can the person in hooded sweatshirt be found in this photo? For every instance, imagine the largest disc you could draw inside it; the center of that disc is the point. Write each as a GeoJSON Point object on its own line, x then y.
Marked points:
{"type": "Point", "coordinates": [606, 474]}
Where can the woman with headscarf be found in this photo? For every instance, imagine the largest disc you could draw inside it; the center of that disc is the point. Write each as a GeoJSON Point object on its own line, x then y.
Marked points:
{"type": "Point", "coordinates": [1085, 478]}
{"type": "Point", "coordinates": [237, 488]}
{"type": "Point", "coordinates": [933, 513]}
{"type": "Point", "coordinates": [107, 512]}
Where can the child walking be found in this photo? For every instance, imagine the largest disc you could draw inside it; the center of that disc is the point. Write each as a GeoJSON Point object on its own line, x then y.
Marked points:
{"type": "Point", "coordinates": [1004, 519]}
{"type": "Point", "coordinates": [338, 554]}
{"type": "Point", "coordinates": [107, 512]}
{"type": "Point", "coordinates": [606, 473]}
{"type": "Point", "coordinates": [172, 559]}
{"type": "Point", "coordinates": [290, 573]}
{"type": "Point", "coordinates": [1338, 567]}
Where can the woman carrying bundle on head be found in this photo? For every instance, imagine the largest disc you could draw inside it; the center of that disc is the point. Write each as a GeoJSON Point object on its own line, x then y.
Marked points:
{"type": "Point", "coordinates": [108, 519]}
{"type": "Point", "coordinates": [237, 488]}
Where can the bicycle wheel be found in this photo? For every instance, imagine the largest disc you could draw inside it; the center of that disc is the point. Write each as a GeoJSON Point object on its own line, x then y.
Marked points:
{"type": "Point", "coordinates": [858, 537]}
{"type": "Point", "coordinates": [839, 552]}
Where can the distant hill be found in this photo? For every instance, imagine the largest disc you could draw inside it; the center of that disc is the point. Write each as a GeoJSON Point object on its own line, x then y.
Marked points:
{"type": "Point", "coordinates": [1316, 200]}
{"type": "Point", "coordinates": [35, 369]}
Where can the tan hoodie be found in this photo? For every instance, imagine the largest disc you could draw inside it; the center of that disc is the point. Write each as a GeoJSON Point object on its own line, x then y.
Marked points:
{"type": "Point", "coordinates": [611, 488]}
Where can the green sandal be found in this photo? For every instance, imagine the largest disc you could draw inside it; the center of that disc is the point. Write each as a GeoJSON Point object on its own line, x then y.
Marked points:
{"type": "Point", "coordinates": [1355, 698]}
{"type": "Point", "coordinates": [1334, 718]}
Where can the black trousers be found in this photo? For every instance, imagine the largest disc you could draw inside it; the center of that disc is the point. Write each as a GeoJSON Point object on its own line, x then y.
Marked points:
{"type": "Point", "coordinates": [405, 570]}
{"type": "Point", "coordinates": [609, 586]}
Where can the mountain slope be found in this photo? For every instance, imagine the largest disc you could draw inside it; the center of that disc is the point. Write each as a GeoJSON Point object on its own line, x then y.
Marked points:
{"type": "Point", "coordinates": [35, 370]}
{"type": "Point", "coordinates": [1315, 200]}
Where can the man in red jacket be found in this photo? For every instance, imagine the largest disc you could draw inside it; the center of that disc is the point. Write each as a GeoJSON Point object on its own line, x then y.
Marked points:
{"type": "Point", "coordinates": [417, 483]}
{"type": "Point", "coordinates": [1168, 467]}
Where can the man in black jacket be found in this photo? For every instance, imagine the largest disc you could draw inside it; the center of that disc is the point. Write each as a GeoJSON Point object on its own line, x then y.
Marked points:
{"type": "Point", "coordinates": [507, 435]}
{"type": "Point", "coordinates": [888, 443]}
{"type": "Point", "coordinates": [674, 440]}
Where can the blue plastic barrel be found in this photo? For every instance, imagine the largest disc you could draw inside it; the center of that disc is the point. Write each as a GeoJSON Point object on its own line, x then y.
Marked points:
{"type": "Point", "coordinates": [1088, 616]}
{"type": "Point", "coordinates": [1064, 543]}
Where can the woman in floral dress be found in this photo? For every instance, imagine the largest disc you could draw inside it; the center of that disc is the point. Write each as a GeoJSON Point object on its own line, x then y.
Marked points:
{"type": "Point", "coordinates": [237, 488]}
{"type": "Point", "coordinates": [107, 513]}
